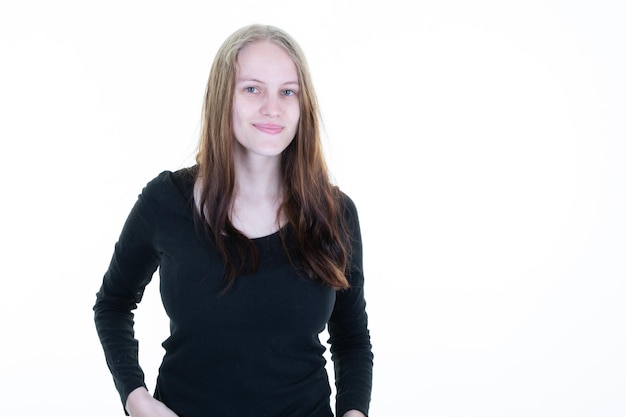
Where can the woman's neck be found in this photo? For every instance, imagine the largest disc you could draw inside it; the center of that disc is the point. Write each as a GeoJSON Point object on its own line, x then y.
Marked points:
{"type": "Point", "coordinates": [257, 177]}
{"type": "Point", "coordinates": [258, 196]}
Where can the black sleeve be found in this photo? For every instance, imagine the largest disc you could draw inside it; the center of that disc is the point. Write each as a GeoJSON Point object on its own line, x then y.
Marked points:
{"type": "Point", "coordinates": [349, 335]}
{"type": "Point", "coordinates": [134, 261]}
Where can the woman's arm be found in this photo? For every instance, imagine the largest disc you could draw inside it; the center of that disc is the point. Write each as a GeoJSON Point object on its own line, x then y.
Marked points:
{"type": "Point", "coordinates": [350, 347]}
{"type": "Point", "coordinates": [132, 265]}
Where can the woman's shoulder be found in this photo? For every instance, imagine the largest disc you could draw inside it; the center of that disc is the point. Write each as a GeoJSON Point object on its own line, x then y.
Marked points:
{"type": "Point", "coordinates": [181, 178]}
{"type": "Point", "coordinates": [346, 203]}
{"type": "Point", "coordinates": [169, 186]}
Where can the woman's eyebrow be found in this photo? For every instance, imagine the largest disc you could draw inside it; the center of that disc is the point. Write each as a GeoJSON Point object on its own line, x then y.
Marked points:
{"type": "Point", "coordinates": [254, 80]}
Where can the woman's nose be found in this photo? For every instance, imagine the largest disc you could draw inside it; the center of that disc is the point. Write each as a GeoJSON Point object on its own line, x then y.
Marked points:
{"type": "Point", "coordinates": [271, 106]}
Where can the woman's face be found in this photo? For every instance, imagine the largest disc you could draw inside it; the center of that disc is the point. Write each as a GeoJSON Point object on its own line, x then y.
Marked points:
{"type": "Point", "coordinates": [266, 109]}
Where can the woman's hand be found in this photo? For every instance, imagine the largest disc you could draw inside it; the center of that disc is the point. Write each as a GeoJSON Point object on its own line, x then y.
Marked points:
{"type": "Point", "coordinates": [353, 413]}
{"type": "Point", "coordinates": [141, 404]}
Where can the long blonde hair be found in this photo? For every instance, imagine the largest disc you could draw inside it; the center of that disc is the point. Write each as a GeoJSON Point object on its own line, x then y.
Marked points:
{"type": "Point", "coordinates": [312, 206]}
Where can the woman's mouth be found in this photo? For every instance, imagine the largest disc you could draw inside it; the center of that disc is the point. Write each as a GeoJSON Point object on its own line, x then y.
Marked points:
{"type": "Point", "coordinates": [269, 128]}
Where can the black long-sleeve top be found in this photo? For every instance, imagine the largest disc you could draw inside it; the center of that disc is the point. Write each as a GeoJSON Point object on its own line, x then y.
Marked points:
{"type": "Point", "coordinates": [251, 351]}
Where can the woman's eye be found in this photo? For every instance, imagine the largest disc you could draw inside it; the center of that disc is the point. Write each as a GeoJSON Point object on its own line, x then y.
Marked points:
{"type": "Point", "coordinates": [251, 90]}
{"type": "Point", "coordinates": [289, 93]}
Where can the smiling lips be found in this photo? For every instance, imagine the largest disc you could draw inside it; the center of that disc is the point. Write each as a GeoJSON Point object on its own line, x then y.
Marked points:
{"type": "Point", "coordinates": [269, 128]}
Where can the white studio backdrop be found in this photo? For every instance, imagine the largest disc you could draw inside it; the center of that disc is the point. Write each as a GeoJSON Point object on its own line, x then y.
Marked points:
{"type": "Point", "coordinates": [484, 143]}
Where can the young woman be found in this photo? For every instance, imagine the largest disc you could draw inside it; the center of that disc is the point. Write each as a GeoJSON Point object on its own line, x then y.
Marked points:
{"type": "Point", "coordinates": [257, 253]}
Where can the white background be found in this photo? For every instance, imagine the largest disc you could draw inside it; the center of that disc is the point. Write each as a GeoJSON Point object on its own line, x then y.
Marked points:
{"type": "Point", "coordinates": [484, 143]}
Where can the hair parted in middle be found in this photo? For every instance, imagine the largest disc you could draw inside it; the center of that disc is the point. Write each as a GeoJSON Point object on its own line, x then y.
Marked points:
{"type": "Point", "coordinates": [313, 207]}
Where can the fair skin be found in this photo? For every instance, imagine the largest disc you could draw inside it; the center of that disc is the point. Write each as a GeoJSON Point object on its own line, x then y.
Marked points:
{"type": "Point", "coordinates": [141, 404]}
{"type": "Point", "coordinates": [266, 112]}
